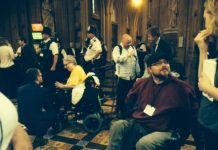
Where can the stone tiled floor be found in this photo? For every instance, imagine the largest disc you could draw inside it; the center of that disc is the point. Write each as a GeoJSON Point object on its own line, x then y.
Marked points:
{"type": "Point", "coordinates": [74, 137]}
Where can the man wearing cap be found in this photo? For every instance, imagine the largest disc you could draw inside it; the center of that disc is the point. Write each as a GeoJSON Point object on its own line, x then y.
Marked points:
{"type": "Point", "coordinates": [48, 58]}
{"type": "Point", "coordinates": [93, 53]}
{"type": "Point", "coordinates": [163, 109]}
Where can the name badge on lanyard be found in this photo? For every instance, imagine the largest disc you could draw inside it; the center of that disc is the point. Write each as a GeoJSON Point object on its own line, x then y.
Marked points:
{"type": "Point", "coordinates": [149, 110]}
{"type": "Point", "coordinates": [41, 55]}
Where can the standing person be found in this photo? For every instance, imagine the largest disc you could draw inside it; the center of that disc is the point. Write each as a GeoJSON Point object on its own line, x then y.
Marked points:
{"type": "Point", "coordinates": [27, 56]}
{"type": "Point", "coordinates": [48, 58]}
{"type": "Point", "coordinates": [208, 112]}
{"type": "Point", "coordinates": [163, 110]}
{"type": "Point", "coordinates": [7, 69]}
{"type": "Point", "coordinates": [157, 43]}
{"type": "Point", "coordinates": [127, 69]}
{"type": "Point", "coordinates": [141, 52]}
{"type": "Point", "coordinates": [93, 53]}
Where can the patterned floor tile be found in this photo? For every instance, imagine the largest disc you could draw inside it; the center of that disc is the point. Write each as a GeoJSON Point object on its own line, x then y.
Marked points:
{"type": "Point", "coordinates": [74, 137]}
{"type": "Point", "coordinates": [101, 138]}
{"type": "Point", "coordinates": [55, 145]}
{"type": "Point", "coordinates": [69, 134]}
{"type": "Point", "coordinates": [82, 143]}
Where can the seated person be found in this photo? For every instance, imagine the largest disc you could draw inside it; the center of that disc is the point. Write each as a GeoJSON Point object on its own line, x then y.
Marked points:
{"type": "Point", "coordinates": [77, 78]}
{"type": "Point", "coordinates": [77, 75]}
{"type": "Point", "coordinates": [35, 109]}
{"type": "Point", "coordinates": [86, 98]}
{"type": "Point", "coordinates": [162, 108]}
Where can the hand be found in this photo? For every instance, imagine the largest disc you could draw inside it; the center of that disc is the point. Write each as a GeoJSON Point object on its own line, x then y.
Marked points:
{"type": "Point", "coordinates": [63, 52]}
{"type": "Point", "coordinates": [52, 68]}
{"type": "Point", "coordinates": [204, 82]}
{"type": "Point", "coordinates": [131, 53]}
{"type": "Point", "coordinates": [59, 85]}
{"type": "Point", "coordinates": [21, 140]}
{"type": "Point", "coordinates": [200, 40]}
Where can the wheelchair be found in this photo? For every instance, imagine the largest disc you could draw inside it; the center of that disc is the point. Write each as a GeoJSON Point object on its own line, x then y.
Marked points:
{"type": "Point", "coordinates": [88, 109]}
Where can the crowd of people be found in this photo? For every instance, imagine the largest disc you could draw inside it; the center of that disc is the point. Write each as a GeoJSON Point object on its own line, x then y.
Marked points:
{"type": "Point", "coordinates": [156, 110]}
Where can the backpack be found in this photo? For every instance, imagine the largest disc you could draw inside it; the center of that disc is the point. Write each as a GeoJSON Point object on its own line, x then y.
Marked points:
{"type": "Point", "coordinates": [121, 48]}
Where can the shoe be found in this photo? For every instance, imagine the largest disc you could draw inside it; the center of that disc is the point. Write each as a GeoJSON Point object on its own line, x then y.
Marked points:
{"type": "Point", "coordinates": [39, 141]}
{"type": "Point", "coordinates": [79, 121]}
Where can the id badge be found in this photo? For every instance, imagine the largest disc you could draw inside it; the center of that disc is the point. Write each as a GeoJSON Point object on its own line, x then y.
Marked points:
{"type": "Point", "coordinates": [149, 110]}
{"type": "Point", "coordinates": [41, 55]}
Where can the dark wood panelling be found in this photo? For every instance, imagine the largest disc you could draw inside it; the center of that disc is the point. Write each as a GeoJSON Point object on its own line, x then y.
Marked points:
{"type": "Point", "coordinates": [61, 21]}
{"type": "Point", "coordinates": [34, 7]}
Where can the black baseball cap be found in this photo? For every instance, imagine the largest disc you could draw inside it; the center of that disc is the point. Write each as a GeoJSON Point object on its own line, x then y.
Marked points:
{"type": "Point", "coordinates": [92, 29]}
{"type": "Point", "coordinates": [153, 58]}
{"type": "Point", "coordinates": [46, 30]}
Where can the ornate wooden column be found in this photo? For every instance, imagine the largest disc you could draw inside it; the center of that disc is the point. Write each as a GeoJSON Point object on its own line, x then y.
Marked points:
{"type": "Point", "coordinates": [84, 18]}
{"type": "Point", "coordinates": [108, 27]}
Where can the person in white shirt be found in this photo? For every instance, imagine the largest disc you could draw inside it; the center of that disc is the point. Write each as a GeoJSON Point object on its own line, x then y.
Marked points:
{"type": "Point", "coordinates": [93, 53]}
{"type": "Point", "coordinates": [127, 69]}
{"type": "Point", "coordinates": [48, 58]}
{"type": "Point", "coordinates": [10, 130]}
{"type": "Point", "coordinates": [7, 69]}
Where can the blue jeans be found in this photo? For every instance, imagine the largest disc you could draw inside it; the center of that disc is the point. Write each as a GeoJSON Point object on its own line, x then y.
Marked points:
{"type": "Point", "coordinates": [129, 135]}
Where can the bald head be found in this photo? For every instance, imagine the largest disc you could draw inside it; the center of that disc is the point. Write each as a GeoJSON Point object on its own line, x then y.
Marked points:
{"type": "Point", "coordinates": [126, 40]}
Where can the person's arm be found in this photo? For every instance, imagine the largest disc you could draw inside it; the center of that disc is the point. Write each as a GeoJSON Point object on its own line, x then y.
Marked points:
{"type": "Point", "coordinates": [97, 47]}
{"type": "Point", "coordinates": [12, 55]}
{"type": "Point", "coordinates": [63, 52]}
{"type": "Point", "coordinates": [203, 48]}
{"type": "Point", "coordinates": [72, 81]}
{"type": "Point", "coordinates": [20, 139]}
{"type": "Point", "coordinates": [55, 60]}
{"type": "Point", "coordinates": [54, 49]}
{"type": "Point", "coordinates": [132, 95]}
{"type": "Point", "coordinates": [205, 85]}
{"type": "Point", "coordinates": [64, 86]}
{"type": "Point", "coordinates": [117, 57]}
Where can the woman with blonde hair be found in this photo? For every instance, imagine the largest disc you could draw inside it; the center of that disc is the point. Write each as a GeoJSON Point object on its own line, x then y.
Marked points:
{"type": "Point", "coordinates": [208, 113]}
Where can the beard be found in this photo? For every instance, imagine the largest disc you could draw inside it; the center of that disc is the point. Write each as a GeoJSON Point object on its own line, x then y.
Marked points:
{"type": "Point", "coordinates": [161, 77]}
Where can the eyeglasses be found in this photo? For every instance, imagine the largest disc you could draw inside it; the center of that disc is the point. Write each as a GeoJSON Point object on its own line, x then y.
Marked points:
{"type": "Point", "coordinates": [160, 62]}
{"type": "Point", "coordinates": [65, 65]}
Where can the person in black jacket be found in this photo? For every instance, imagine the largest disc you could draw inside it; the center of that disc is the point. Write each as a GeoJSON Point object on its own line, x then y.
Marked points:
{"type": "Point", "coordinates": [34, 106]}
{"type": "Point", "coordinates": [26, 56]}
{"type": "Point", "coordinates": [157, 43]}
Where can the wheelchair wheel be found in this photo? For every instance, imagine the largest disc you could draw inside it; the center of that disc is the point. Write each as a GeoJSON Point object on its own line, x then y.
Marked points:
{"type": "Point", "coordinates": [92, 123]}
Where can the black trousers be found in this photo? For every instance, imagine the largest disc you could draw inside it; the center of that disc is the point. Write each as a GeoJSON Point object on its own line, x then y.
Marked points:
{"type": "Point", "coordinates": [123, 87]}
{"type": "Point", "coordinates": [8, 81]}
{"type": "Point", "coordinates": [211, 139]}
{"type": "Point", "coordinates": [40, 126]}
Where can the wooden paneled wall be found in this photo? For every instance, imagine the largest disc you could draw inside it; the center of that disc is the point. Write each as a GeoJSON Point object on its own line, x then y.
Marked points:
{"type": "Point", "coordinates": [189, 23]}
{"type": "Point", "coordinates": [72, 18]}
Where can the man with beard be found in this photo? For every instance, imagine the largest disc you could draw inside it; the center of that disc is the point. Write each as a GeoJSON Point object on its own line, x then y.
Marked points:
{"type": "Point", "coordinates": [163, 109]}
